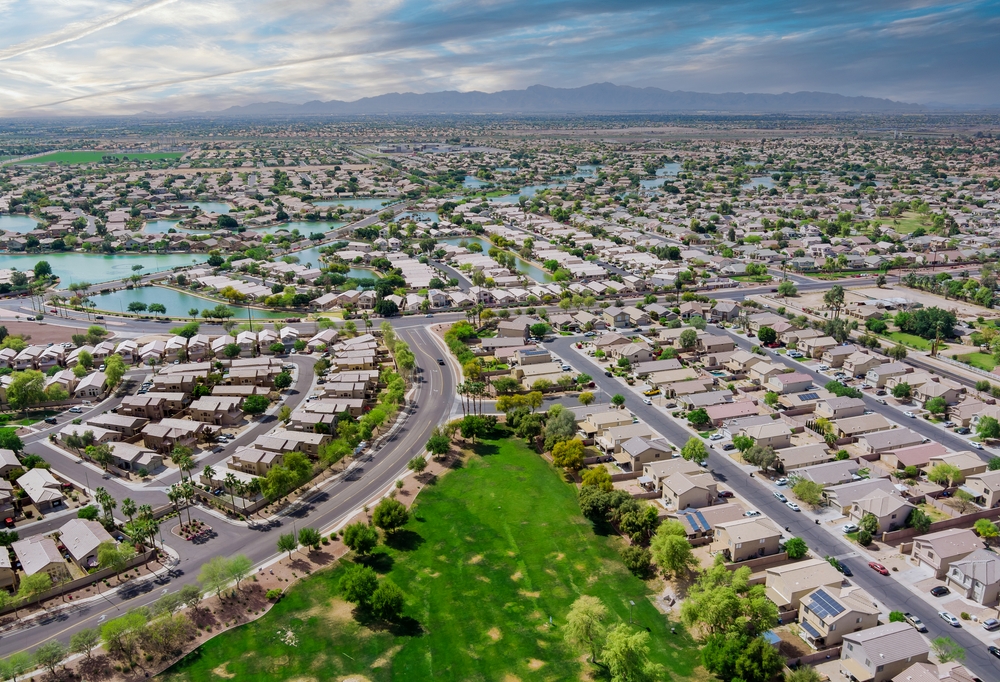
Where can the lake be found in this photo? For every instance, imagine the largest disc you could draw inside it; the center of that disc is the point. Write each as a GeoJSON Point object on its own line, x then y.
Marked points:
{"type": "Point", "coordinates": [765, 180]}
{"type": "Point", "coordinates": [532, 271]}
{"type": "Point", "coordinates": [177, 303]}
{"type": "Point", "coordinates": [17, 223]}
{"type": "Point", "coordinates": [529, 191]}
{"type": "Point", "coordinates": [420, 216]}
{"type": "Point", "coordinates": [473, 182]}
{"type": "Point", "coordinates": [209, 206]}
{"type": "Point", "coordinates": [95, 268]}
{"type": "Point", "coordinates": [665, 171]}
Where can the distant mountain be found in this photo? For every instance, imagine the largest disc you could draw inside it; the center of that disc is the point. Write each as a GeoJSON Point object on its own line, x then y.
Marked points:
{"type": "Point", "coordinates": [599, 98]}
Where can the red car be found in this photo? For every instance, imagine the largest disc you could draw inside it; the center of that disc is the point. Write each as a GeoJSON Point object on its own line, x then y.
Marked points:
{"type": "Point", "coordinates": [879, 567]}
{"type": "Point", "coordinates": [725, 493]}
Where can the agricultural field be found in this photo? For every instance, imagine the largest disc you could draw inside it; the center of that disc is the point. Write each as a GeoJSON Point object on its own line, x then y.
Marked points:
{"type": "Point", "coordinates": [73, 158]}
{"type": "Point", "coordinates": [490, 561]}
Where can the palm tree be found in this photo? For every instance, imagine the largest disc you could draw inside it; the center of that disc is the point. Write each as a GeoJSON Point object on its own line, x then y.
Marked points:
{"type": "Point", "coordinates": [175, 495]}
{"type": "Point", "coordinates": [208, 472]}
{"type": "Point", "coordinates": [230, 482]}
{"type": "Point", "coordinates": [128, 508]}
{"type": "Point", "coordinates": [187, 491]}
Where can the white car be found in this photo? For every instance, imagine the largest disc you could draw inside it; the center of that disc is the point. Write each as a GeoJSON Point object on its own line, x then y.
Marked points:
{"type": "Point", "coordinates": [823, 368]}
{"type": "Point", "coordinates": [647, 401]}
{"type": "Point", "coordinates": [751, 512]}
{"type": "Point", "coordinates": [850, 528]}
{"type": "Point", "coordinates": [793, 506]}
{"type": "Point", "coordinates": [950, 619]}
{"type": "Point", "coordinates": [715, 436]}
{"type": "Point", "coordinates": [75, 409]}
{"type": "Point", "coordinates": [910, 414]}
{"type": "Point", "coordinates": [978, 446]}
{"type": "Point", "coordinates": [781, 482]}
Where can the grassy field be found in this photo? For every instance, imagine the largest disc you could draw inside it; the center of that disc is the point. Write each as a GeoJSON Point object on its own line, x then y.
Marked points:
{"type": "Point", "coordinates": [913, 341]}
{"type": "Point", "coordinates": [756, 279]}
{"type": "Point", "coordinates": [70, 158]}
{"type": "Point", "coordinates": [491, 553]}
{"type": "Point", "coordinates": [983, 361]}
{"type": "Point", "coordinates": [908, 222]}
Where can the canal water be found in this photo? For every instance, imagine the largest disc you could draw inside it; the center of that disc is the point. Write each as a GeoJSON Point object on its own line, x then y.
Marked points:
{"type": "Point", "coordinates": [94, 268]}
{"type": "Point", "coordinates": [17, 223]}
{"type": "Point", "coordinates": [532, 271]}
{"type": "Point", "coordinates": [177, 303]}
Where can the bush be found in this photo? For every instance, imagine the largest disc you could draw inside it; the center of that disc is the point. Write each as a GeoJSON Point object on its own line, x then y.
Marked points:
{"type": "Point", "coordinates": [864, 537]}
{"type": "Point", "coordinates": [964, 615]}
{"type": "Point", "coordinates": [273, 595]}
{"type": "Point", "coordinates": [638, 560]}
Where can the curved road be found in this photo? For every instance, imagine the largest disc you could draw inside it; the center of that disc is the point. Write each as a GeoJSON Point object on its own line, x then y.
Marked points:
{"type": "Point", "coordinates": [334, 501]}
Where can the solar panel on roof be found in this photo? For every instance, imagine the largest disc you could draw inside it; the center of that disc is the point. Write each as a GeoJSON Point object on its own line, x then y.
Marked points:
{"type": "Point", "coordinates": [809, 396]}
{"type": "Point", "coordinates": [824, 605]}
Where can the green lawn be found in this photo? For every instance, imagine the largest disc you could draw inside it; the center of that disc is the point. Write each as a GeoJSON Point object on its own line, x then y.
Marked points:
{"type": "Point", "coordinates": [69, 158]}
{"type": "Point", "coordinates": [913, 341]}
{"type": "Point", "coordinates": [491, 552]}
{"type": "Point", "coordinates": [907, 223]}
{"type": "Point", "coordinates": [983, 361]}
{"type": "Point", "coordinates": [758, 279]}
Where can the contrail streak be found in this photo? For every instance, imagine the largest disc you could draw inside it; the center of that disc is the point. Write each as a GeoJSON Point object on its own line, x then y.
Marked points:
{"type": "Point", "coordinates": [77, 31]}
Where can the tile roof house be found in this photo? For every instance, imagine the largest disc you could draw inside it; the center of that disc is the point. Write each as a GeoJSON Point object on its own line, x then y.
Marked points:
{"type": "Point", "coordinates": [938, 551]}
{"type": "Point", "coordinates": [788, 583]}
{"type": "Point", "coordinates": [747, 539]}
{"type": "Point", "coordinates": [81, 539]}
{"type": "Point", "coordinates": [687, 491]}
{"type": "Point", "coordinates": [41, 555]}
{"type": "Point", "coordinates": [42, 487]}
{"type": "Point", "coordinates": [976, 577]}
{"type": "Point", "coordinates": [826, 615]}
{"type": "Point", "coordinates": [637, 452]}
{"type": "Point", "coordinates": [891, 510]}
{"type": "Point", "coordinates": [885, 441]}
{"type": "Point", "coordinates": [880, 653]}
{"type": "Point", "coordinates": [985, 487]}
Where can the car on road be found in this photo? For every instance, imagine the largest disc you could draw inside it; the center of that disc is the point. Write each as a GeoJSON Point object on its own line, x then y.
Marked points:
{"type": "Point", "coordinates": [949, 619]}
{"type": "Point", "coordinates": [751, 512]}
{"type": "Point", "coordinates": [995, 650]}
{"type": "Point", "coordinates": [844, 568]}
{"type": "Point", "coordinates": [940, 591]}
{"type": "Point", "coordinates": [991, 624]}
{"type": "Point", "coordinates": [715, 436]}
{"type": "Point", "coordinates": [781, 481]}
{"type": "Point", "coordinates": [780, 497]}
{"type": "Point", "coordinates": [647, 401]}
{"type": "Point", "coordinates": [725, 493]}
{"type": "Point", "coordinates": [589, 334]}
{"type": "Point", "coordinates": [50, 420]}
{"type": "Point", "coordinates": [881, 401]}
{"type": "Point", "coordinates": [850, 528]}
{"type": "Point", "coordinates": [915, 622]}
{"type": "Point", "coordinates": [794, 507]}
{"type": "Point", "coordinates": [428, 315]}
{"type": "Point", "coordinates": [978, 446]}
{"type": "Point", "coordinates": [963, 431]}
{"type": "Point", "coordinates": [948, 424]}
{"type": "Point", "coordinates": [75, 409]}
{"type": "Point", "coordinates": [874, 565]}
{"type": "Point", "coordinates": [910, 414]}
{"type": "Point", "coordinates": [608, 374]}
{"type": "Point", "coordinates": [440, 361]}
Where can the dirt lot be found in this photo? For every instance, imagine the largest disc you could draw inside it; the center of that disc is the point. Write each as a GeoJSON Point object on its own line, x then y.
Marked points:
{"type": "Point", "coordinates": [39, 332]}
{"type": "Point", "coordinates": [853, 296]}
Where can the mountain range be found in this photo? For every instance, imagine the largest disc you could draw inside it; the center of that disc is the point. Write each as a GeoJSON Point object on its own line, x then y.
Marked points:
{"type": "Point", "coordinates": [598, 98]}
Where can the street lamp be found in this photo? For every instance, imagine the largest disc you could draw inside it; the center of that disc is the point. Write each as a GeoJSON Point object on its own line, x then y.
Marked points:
{"type": "Point", "coordinates": [630, 605]}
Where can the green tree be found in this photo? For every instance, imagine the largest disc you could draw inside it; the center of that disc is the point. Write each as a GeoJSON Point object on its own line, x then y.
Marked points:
{"type": "Point", "coordinates": [121, 636]}
{"type": "Point", "coordinates": [869, 523]}
{"type": "Point", "coordinates": [34, 586]}
{"type": "Point", "coordinates": [688, 338]}
{"type": "Point", "coordinates": [85, 641]}
{"type": "Point", "coordinates": [672, 552]}
{"type": "Point", "coordinates": [255, 404]}
{"type": "Point", "coordinates": [771, 399]}
{"type": "Point", "coordinates": [946, 650]}
{"type": "Point", "coordinates": [390, 515]}
{"type": "Point", "coordinates": [796, 548]}
{"type": "Point", "coordinates": [387, 601]}
{"type": "Point", "coordinates": [360, 537]}
{"type": "Point", "coordinates": [238, 568]}
{"type": "Point", "coordinates": [897, 617]}
{"type": "Point", "coordinates": [787, 288]}
{"type": "Point", "coordinates": [743, 443]}
{"type": "Point", "coordinates": [287, 542]}
{"type": "Point", "coordinates": [759, 661]}
{"type": "Point", "coordinates": [359, 584]}
{"type": "Point", "coordinates": [585, 398]}
{"type": "Point", "coordinates": [568, 454]}
{"type": "Point", "coordinates": [50, 655]}
{"type": "Point", "coordinates": [987, 530]}
{"type": "Point", "coordinates": [723, 602]}
{"type": "Point", "coordinates": [214, 574]}
{"type": "Point", "coordinates": [699, 418]}
{"type": "Point", "coordinates": [902, 391]}
{"type": "Point", "coordinates": [115, 557]}
{"type": "Point", "coordinates": [618, 400]}
{"type": "Point", "coordinates": [767, 335]}
{"type": "Point", "coordinates": [945, 474]}
{"type": "Point", "coordinates": [310, 537]}
{"type": "Point", "coordinates": [626, 655]}
{"type": "Point", "coordinates": [439, 443]}
{"type": "Point", "coordinates": [988, 428]}
{"type": "Point", "coordinates": [808, 491]}
{"type": "Point", "coordinates": [26, 388]}
{"type": "Point", "coordinates": [585, 624]}
{"type": "Point", "coordinates": [936, 405]}
{"type": "Point", "coordinates": [919, 520]}
{"type": "Point", "coordinates": [597, 477]}
{"type": "Point", "coordinates": [993, 464]}
{"type": "Point", "coordinates": [231, 350]}
{"type": "Point", "coordinates": [694, 450]}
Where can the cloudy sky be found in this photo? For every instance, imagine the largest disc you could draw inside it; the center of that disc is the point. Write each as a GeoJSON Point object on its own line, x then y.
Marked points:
{"type": "Point", "coordinates": [122, 56]}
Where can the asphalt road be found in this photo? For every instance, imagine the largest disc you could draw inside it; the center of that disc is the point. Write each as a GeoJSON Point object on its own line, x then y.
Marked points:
{"type": "Point", "coordinates": [893, 595]}
{"type": "Point", "coordinates": [332, 502]}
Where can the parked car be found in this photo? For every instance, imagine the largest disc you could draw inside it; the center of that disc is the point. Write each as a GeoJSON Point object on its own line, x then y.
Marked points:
{"type": "Point", "coordinates": [794, 507]}
{"type": "Point", "coordinates": [75, 409]}
{"type": "Point", "coordinates": [751, 512]}
{"type": "Point", "coordinates": [715, 436]}
{"type": "Point", "coordinates": [608, 374]}
{"type": "Point", "coordinates": [991, 624]}
{"type": "Point", "coordinates": [725, 493]}
{"type": "Point", "coordinates": [50, 420]}
{"type": "Point", "coordinates": [940, 591]}
{"type": "Point", "coordinates": [915, 622]}
{"type": "Point", "coordinates": [994, 650]}
{"type": "Point", "coordinates": [910, 414]}
{"type": "Point", "coordinates": [949, 619]}
{"type": "Point", "coordinates": [880, 392]}
{"type": "Point", "coordinates": [949, 424]}
{"type": "Point", "coordinates": [780, 497]}
{"type": "Point", "coordinates": [781, 481]}
{"type": "Point", "coordinates": [978, 446]}
{"type": "Point", "coordinates": [850, 528]}
{"type": "Point", "coordinates": [845, 569]}
{"type": "Point", "coordinates": [963, 431]}
{"type": "Point", "coordinates": [878, 567]}
{"type": "Point", "coordinates": [728, 446]}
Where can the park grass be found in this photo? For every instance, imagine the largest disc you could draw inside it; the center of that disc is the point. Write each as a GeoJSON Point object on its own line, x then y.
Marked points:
{"type": "Point", "coordinates": [983, 361]}
{"type": "Point", "coordinates": [913, 341]}
{"type": "Point", "coordinates": [491, 552]}
{"type": "Point", "coordinates": [756, 279]}
{"type": "Point", "coordinates": [908, 222]}
{"type": "Point", "coordinates": [71, 158]}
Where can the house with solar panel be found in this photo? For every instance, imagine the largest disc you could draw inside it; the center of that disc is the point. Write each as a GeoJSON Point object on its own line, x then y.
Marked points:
{"type": "Point", "coordinates": [826, 615]}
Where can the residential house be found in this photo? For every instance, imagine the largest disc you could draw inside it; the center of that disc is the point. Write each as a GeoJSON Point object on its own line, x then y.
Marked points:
{"type": "Point", "coordinates": [701, 522]}
{"type": "Point", "coordinates": [855, 427]}
{"type": "Point", "coordinates": [831, 473]}
{"type": "Point", "coordinates": [859, 363]}
{"type": "Point", "coordinates": [39, 554]}
{"type": "Point", "coordinates": [153, 405]}
{"type": "Point", "coordinates": [793, 459]}
{"type": "Point", "coordinates": [985, 487]}
{"type": "Point", "coordinates": [132, 457]}
{"type": "Point", "coordinates": [914, 455]}
{"type": "Point", "coordinates": [880, 653]}
{"type": "Point", "coordinates": [792, 382]}
{"type": "Point", "coordinates": [81, 539]}
{"type": "Point", "coordinates": [776, 434]}
{"type": "Point", "coordinates": [167, 434]}
{"type": "Point", "coordinates": [840, 408]}
{"type": "Point", "coordinates": [965, 461]}
{"type": "Point", "coordinates": [255, 461]}
{"type": "Point", "coordinates": [637, 452]}
{"type": "Point", "coordinates": [596, 424]}
{"type": "Point", "coordinates": [815, 347]}
{"type": "Point", "coordinates": [747, 539]}
{"type": "Point", "coordinates": [837, 355]}
{"type": "Point", "coordinates": [42, 488]}
{"type": "Point", "coordinates": [689, 491]}
{"type": "Point", "coordinates": [826, 615]}
{"type": "Point", "coordinates": [615, 317]}
{"type": "Point", "coordinates": [951, 391]}
{"type": "Point", "coordinates": [289, 441]}
{"type": "Point", "coordinates": [938, 551]}
{"type": "Point", "coordinates": [786, 584]}
{"type": "Point", "coordinates": [976, 577]}
{"type": "Point", "coordinates": [890, 509]}
{"type": "Point", "coordinates": [726, 311]}
{"type": "Point", "coordinates": [8, 462]}
{"type": "Point", "coordinates": [741, 361]}
{"type": "Point", "coordinates": [217, 410]}
{"type": "Point", "coordinates": [654, 473]}
{"type": "Point", "coordinates": [92, 386]}
{"type": "Point", "coordinates": [844, 495]}
{"type": "Point", "coordinates": [884, 441]}
{"type": "Point", "coordinates": [879, 376]}
{"type": "Point", "coordinates": [611, 440]}
{"type": "Point", "coordinates": [720, 414]}
{"type": "Point", "coordinates": [513, 329]}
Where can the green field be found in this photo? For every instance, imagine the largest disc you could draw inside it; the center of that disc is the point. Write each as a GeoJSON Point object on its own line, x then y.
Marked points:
{"type": "Point", "coordinates": [71, 158]}
{"type": "Point", "coordinates": [983, 361]}
{"type": "Point", "coordinates": [491, 552]}
{"type": "Point", "coordinates": [907, 223]}
{"type": "Point", "coordinates": [913, 341]}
